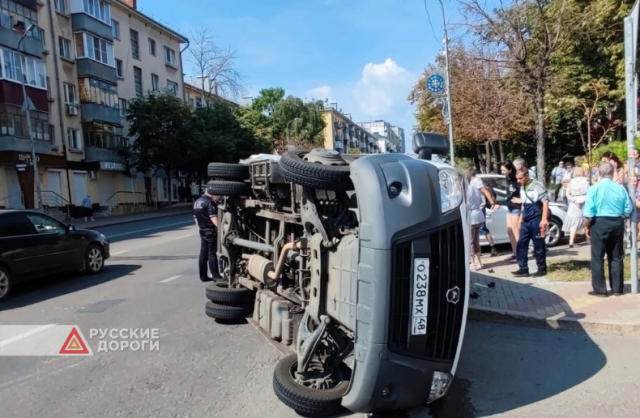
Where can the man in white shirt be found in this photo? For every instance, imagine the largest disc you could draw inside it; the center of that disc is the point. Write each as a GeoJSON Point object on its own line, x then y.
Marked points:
{"type": "Point", "coordinates": [519, 163]}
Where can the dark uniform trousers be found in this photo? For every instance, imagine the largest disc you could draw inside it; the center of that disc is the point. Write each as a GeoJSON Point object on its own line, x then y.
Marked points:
{"type": "Point", "coordinates": [208, 257]}
{"type": "Point", "coordinates": [607, 237]}
{"type": "Point", "coordinates": [530, 230]}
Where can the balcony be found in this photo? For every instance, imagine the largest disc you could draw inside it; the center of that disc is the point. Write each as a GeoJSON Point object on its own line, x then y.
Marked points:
{"type": "Point", "coordinates": [91, 68]}
{"type": "Point", "coordinates": [102, 154]}
{"type": "Point", "coordinates": [30, 45]}
{"type": "Point", "coordinates": [11, 143]}
{"type": "Point", "coordinates": [84, 22]}
{"type": "Point", "coordinates": [93, 112]}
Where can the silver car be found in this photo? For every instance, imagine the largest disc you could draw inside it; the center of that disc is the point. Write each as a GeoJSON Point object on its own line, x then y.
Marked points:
{"type": "Point", "coordinates": [497, 219]}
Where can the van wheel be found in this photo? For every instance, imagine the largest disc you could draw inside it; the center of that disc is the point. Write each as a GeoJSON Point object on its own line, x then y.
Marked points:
{"type": "Point", "coordinates": [220, 292]}
{"type": "Point", "coordinates": [94, 259]}
{"type": "Point", "coordinates": [6, 284]}
{"type": "Point", "coordinates": [303, 399]}
{"type": "Point", "coordinates": [318, 169]}
{"type": "Point", "coordinates": [230, 188]}
{"type": "Point", "coordinates": [228, 171]}
{"type": "Point", "coordinates": [227, 312]}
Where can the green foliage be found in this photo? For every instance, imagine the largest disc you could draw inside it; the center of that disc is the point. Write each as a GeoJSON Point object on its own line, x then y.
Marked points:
{"type": "Point", "coordinates": [619, 148]}
{"type": "Point", "coordinates": [267, 99]}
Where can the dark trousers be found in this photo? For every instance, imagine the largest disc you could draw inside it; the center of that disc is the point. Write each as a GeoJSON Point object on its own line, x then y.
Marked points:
{"type": "Point", "coordinates": [530, 230]}
{"type": "Point", "coordinates": [208, 258]}
{"type": "Point", "coordinates": [607, 236]}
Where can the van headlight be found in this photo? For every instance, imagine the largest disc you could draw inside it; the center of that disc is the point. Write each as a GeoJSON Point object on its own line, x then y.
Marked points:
{"type": "Point", "coordinates": [451, 192]}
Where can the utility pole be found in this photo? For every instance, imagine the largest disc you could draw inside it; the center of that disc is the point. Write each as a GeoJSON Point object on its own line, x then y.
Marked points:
{"type": "Point", "coordinates": [448, 86]}
{"type": "Point", "coordinates": [26, 108]}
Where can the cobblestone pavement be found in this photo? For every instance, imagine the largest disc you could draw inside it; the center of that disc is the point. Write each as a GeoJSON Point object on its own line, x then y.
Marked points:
{"type": "Point", "coordinates": [494, 289]}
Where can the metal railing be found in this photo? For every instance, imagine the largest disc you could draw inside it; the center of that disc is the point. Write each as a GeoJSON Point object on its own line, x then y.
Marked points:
{"type": "Point", "coordinates": [52, 200]}
{"type": "Point", "coordinates": [5, 202]}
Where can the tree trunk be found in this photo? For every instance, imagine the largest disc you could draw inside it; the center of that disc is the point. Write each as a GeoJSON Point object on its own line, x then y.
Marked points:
{"type": "Point", "coordinates": [540, 134]}
{"type": "Point", "coordinates": [494, 149]}
{"type": "Point", "coordinates": [501, 150]}
{"type": "Point", "coordinates": [487, 146]}
{"type": "Point", "coordinates": [476, 161]}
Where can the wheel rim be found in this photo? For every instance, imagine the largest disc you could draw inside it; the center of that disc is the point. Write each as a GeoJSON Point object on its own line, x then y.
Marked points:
{"type": "Point", "coordinates": [553, 235]}
{"type": "Point", "coordinates": [4, 284]}
{"type": "Point", "coordinates": [318, 380]}
{"type": "Point", "coordinates": [95, 259]}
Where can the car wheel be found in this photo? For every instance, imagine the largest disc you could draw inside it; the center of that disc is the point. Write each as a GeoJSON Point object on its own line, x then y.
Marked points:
{"type": "Point", "coordinates": [221, 293]}
{"type": "Point", "coordinates": [318, 168]}
{"type": "Point", "coordinates": [94, 259]}
{"type": "Point", "coordinates": [5, 283]}
{"type": "Point", "coordinates": [305, 399]}
{"type": "Point", "coordinates": [554, 232]}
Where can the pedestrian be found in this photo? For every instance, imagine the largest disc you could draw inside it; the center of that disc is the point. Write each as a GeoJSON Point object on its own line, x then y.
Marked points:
{"type": "Point", "coordinates": [476, 217]}
{"type": "Point", "coordinates": [566, 179]}
{"type": "Point", "coordinates": [488, 202]}
{"type": "Point", "coordinates": [205, 214]}
{"type": "Point", "coordinates": [606, 208]}
{"type": "Point", "coordinates": [576, 194]}
{"type": "Point", "coordinates": [87, 208]}
{"type": "Point", "coordinates": [514, 206]}
{"type": "Point", "coordinates": [557, 174]}
{"type": "Point", "coordinates": [619, 168]}
{"type": "Point", "coordinates": [534, 219]}
{"type": "Point", "coordinates": [519, 163]}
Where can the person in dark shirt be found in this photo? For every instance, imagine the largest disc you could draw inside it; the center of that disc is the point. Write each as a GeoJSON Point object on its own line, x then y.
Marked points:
{"type": "Point", "coordinates": [205, 214]}
{"type": "Point", "coordinates": [514, 205]}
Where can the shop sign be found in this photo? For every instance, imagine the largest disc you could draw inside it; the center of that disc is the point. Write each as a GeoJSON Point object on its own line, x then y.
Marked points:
{"type": "Point", "coordinates": [27, 158]}
{"type": "Point", "coordinates": [111, 166]}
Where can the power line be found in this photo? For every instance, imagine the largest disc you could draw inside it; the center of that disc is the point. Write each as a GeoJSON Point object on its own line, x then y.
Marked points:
{"type": "Point", "coordinates": [430, 24]}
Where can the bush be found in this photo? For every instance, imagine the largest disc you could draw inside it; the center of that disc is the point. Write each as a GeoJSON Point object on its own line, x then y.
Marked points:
{"type": "Point", "coordinates": [619, 148]}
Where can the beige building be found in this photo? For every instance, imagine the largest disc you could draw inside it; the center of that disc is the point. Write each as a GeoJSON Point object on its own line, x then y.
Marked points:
{"type": "Point", "coordinates": [196, 98]}
{"type": "Point", "coordinates": [346, 136]}
{"type": "Point", "coordinates": [89, 59]}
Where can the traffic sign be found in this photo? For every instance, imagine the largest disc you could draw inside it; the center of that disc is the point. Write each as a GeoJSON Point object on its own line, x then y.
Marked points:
{"type": "Point", "coordinates": [435, 83]}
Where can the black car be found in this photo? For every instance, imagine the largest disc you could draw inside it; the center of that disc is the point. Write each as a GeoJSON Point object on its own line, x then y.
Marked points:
{"type": "Point", "coordinates": [34, 245]}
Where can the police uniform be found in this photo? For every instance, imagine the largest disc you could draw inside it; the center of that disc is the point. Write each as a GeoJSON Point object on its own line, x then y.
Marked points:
{"type": "Point", "coordinates": [203, 209]}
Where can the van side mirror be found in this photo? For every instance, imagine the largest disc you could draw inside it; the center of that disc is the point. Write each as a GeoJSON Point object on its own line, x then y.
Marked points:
{"type": "Point", "coordinates": [426, 144]}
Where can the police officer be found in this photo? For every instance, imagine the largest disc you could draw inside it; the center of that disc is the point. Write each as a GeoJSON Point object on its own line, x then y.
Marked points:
{"type": "Point", "coordinates": [205, 214]}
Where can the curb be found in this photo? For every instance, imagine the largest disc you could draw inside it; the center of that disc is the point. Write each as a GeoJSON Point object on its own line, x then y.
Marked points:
{"type": "Point", "coordinates": [557, 322]}
{"type": "Point", "coordinates": [130, 221]}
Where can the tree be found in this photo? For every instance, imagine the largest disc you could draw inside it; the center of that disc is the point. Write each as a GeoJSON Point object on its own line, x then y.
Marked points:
{"type": "Point", "coordinates": [298, 123]}
{"type": "Point", "coordinates": [527, 35]}
{"type": "Point", "coordinates": [215, 65]}
{"type": "Point", "coordinates": [162, 129]}
{"type": "Point", "coordinates": [267, 99]}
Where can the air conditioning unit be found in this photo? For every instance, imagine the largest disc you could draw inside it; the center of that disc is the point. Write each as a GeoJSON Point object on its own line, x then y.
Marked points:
{"type": "Point", "coordinates": [72, 110]}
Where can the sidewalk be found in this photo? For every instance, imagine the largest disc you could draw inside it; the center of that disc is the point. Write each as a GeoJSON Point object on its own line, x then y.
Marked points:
{"type": "Point", "coordinates": [176, 209]}
{"type": "Point", "coordinates": [498, 296]}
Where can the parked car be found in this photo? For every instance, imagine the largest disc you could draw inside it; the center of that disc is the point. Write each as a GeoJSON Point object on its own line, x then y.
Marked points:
{"type": "Point", "coordinates": [35, 245]}
{"type": "Point", "coordinates": [497, 219]}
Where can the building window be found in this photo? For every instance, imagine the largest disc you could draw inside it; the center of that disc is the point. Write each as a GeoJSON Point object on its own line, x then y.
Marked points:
{"type": "Point", "coordinates": [137, 81]}
{"type": "Point", "coordinates": [135, 46]}
{"type": "Point", "coordinates": [102, 135]}
{"type": "Point", "coordinates": [99, 92]}
{"type": "Point", "coordinates": [169, 56]}
{"type": "Point", "coordinates": [61, 6]}
{"type": "Point", "coordinates": [70, 96]}
{"type": "Point", "coordinates": [155, 82]}
{"type": "Point", "coordinates": [115, 29]}
{"type": "Point", "coordinates": [98, 49]}
{"type": "Point", "coordinates": [123, 107]}
{"type": "Point", "coordinates": [33, 74]}
{"type": "Point", "coordinates": [98, 9]}
{"type": "Point", "coordinates": [119, 68]}
{"type": "Point", "coordinates": [172, 87]}
{"type": "Point", "coordinates": [13, 14]}
{"type": "Point", "coordinates": [152, 47]}
{"type": "Point", "coordinates": [73, 139]}
{"type": "Point", "coordinates": [14, 123]}
{"type": "Point", "coordinates": [65, 47]}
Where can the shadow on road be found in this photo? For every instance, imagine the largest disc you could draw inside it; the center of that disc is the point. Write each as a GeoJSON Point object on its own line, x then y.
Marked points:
{"type": "Point", "coordinates": [151, 228]}
{"type": "Point", "coordinates": [39, 290]}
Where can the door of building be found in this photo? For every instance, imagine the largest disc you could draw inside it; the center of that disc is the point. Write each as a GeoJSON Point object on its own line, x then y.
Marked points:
{"type": "Point", "coordinates": [13, 189]}
{"type": "Point", "coordinates": [54, 185]}
{"type": "Point", "coordinates": [79, 188]}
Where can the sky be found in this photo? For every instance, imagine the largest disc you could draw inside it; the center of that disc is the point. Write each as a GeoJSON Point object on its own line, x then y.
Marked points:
{"type": "Point", "coordinates": [366, 55]}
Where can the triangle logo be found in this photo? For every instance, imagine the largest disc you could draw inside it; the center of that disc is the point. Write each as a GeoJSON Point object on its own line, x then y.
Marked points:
{"type": "Point", "coordinates": [74, 344]}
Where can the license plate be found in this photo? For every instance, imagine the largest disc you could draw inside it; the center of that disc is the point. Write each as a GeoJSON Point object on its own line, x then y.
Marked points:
{"type": "Point", "coordinates": [420, 296]}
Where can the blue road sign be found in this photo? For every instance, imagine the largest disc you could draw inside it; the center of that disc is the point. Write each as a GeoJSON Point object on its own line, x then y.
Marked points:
{"type": "Point", "coordinates": [435, 83]}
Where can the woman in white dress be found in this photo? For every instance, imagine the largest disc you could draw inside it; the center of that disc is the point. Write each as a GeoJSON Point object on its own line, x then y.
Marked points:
{"type": "Point", "coordinates": [576, 193]}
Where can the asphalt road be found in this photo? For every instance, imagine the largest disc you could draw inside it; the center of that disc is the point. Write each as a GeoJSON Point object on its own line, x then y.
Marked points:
{"type": "Point", "coordinates": [204, 369]}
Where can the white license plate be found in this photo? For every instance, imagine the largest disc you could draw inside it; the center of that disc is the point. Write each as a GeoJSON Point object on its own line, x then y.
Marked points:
{"type": "Point", "coordinates": [420, 296]}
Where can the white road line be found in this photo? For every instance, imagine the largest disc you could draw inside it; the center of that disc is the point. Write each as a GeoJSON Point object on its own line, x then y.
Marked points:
{"type": "Point", "coordinates": [170, 279]}
{"type": "Point", "coordinates": [149, 229]}
{"type": "Point", "coordinates": [184, 236]}
{"type": "Point", "coordinates": [25, 334]}
{"type": "Point", "coordinates": [30, 375]}
{"type": "Point", "coordinates": [120, 252]}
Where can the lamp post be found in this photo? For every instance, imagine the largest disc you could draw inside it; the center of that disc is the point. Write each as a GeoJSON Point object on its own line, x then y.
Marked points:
{"type": "Point", "coordinates": [34, 159]}
{"type": "Point", "coordinates": [448, 86]}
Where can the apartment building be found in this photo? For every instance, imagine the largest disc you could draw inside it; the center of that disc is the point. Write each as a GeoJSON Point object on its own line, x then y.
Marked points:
{"type": "Point", "coordinates": [85, 60]}
{"type": "Point", "coordinates": [196, 98]}
{"type": "Point", "coordinates": [390, 138]}
{"type": "Point", "coordinates": [346, 136]}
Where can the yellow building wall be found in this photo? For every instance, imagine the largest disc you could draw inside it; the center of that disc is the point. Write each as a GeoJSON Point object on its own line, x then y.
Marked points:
{"type": "Point", "coordinates": [328, 130]}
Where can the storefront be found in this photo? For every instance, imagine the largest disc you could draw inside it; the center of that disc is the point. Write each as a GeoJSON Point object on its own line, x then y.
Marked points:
{"type": "Point", "coordinates": [17, 182]}
{"type": "Point", "coordinates": [101, 180]}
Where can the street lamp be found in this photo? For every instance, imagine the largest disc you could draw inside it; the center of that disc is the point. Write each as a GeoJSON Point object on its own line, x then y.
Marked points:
{"type": "Point", "coordinates": [34, 160]}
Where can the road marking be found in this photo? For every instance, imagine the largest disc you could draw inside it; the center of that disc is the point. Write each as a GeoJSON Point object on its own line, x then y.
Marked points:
{"type": "Point", "coordinates": [170, 279]}
{"type": "Point", "coordinates": [149, 229]}
{"type": "Point", "coordinates": [120, 252]}
{"type": "Point", "coordinates": [184, 236]}
{"type": "Point", "coordinates": [30, 375]}
{"type": "Point", "coordinates": [25, 335]}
